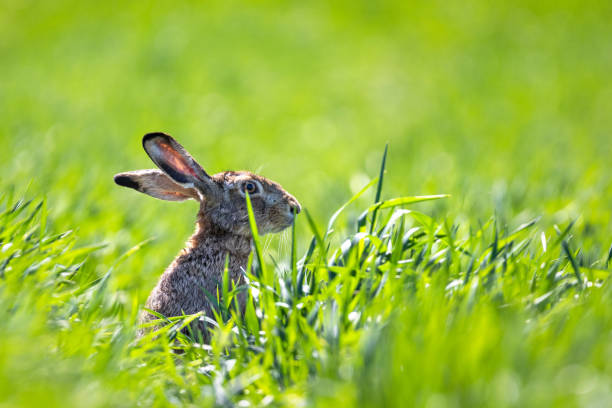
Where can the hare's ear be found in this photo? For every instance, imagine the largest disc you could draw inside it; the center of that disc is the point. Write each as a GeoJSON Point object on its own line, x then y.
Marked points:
{"type": "Point", "coordinates": [156, 184]}
{"type": "Point", "coordinates": [177, 163]}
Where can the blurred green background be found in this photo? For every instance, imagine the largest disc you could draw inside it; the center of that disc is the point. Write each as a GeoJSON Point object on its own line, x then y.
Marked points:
{"type": "Point", "coordinates": [506, 106]}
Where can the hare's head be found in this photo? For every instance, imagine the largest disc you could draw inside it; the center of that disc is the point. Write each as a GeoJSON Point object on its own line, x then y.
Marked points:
{"type": "Point", "coordinates": [222, 196]}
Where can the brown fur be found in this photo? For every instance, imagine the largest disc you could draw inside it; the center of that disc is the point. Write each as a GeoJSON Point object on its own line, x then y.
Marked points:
{"type": "Point", "coordinates": [222, 228]}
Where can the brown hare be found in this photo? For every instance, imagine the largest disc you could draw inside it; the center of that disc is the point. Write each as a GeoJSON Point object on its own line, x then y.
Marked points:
{"type": "Point", "coordinates": [222, 226]}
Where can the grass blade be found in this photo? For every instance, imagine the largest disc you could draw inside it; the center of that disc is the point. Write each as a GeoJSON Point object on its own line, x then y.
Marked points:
{"type": "Point", "coordinates": [573, 262]}
{"type": "Point", "coordinates": [255, 233]}
{"type": "Point", "coordinates": [333, 218]}
{"type": "Point", "coordinates": [379, 187]}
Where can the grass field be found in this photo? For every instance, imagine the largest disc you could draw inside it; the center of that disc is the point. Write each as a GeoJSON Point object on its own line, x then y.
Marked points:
{"type": "Point", "coordinates": [497, 295]}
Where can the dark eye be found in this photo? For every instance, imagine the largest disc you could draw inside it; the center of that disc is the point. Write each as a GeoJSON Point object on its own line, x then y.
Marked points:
{"type": "Point", "coordinates": [249, 187]}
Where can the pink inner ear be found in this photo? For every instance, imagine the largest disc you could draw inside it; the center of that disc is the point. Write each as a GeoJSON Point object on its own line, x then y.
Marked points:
{"type": "Point", "coordinates": [175, 159]}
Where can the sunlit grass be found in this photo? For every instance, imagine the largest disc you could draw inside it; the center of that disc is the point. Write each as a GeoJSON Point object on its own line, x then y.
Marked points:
{"type": "Point", "coordinates": [400, 309]}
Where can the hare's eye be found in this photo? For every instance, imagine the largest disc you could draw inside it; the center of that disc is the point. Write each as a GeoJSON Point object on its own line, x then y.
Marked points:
{"type": "Point", "coordinates": [249, 187]}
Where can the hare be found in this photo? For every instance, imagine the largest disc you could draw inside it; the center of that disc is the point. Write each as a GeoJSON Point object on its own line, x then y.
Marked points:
{"type": "Point", "coordinates": [222, 226]}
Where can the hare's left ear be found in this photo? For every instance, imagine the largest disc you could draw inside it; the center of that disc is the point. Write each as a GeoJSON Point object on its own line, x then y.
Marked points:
{"type": "Point", "coordinates": [178, 164]}
{"type": "Point", "coordinates": [156, 184]}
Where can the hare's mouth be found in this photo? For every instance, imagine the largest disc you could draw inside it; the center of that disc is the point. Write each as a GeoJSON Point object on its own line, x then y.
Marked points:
{"type": "Point", "coordinates": [284, 222]}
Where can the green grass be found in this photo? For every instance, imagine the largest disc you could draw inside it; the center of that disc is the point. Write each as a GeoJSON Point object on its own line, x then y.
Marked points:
{"type": "Point", "coordinates": [403, 310]}
{"type": "Point", "coordinates": [498, 295]}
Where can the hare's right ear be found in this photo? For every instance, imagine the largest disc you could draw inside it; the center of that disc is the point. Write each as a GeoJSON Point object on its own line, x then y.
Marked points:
{"type": "Point", "coordinates": [174, 160]}
{"type": "Point", "coordinates": [156, 184]}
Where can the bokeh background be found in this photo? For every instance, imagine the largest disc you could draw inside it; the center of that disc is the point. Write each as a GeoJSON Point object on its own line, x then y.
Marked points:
{"type": "Point", "coordinates": [506, 106]}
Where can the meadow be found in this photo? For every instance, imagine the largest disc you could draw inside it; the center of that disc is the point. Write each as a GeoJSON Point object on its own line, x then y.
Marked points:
{"type": "Point", "coordinates": [467, 265]}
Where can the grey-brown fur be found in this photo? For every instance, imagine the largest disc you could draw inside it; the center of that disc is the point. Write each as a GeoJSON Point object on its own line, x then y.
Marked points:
{"type": "Point", "coordinates": [222, 227]}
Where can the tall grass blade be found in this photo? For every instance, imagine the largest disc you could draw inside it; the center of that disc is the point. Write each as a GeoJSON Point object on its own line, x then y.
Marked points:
{"type": "Point", "coordinates": [255, 233]}
{"type": "Point", "coordinates": [294, 268]}
{"type": "Point", "coordinates": [379, 187]}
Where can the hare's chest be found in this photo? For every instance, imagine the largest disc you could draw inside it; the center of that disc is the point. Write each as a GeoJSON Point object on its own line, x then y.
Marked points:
{"type": "Point", "coordinates": [200, 281]}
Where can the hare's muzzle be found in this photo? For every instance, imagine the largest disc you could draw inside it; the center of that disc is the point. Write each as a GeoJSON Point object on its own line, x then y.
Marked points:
{"type": "Point", "coordinates": [295, 208]}
{"type": "Point", "coordinates": [294, 205]}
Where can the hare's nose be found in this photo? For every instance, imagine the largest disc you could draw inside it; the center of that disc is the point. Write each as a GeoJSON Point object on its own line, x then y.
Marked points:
{"type": "Point", "coordinates": [295, 206]}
